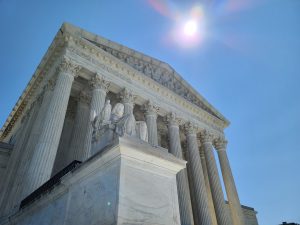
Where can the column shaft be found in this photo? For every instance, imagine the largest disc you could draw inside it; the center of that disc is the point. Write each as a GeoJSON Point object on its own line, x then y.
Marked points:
{"type": "Point", "coordinates": [152, 129]}
{"type": "Point", "coordinates": [99, 88]}
{"type": "Point", "coordinates": [194, 163]}
{"type": "Point", "coordinates": [185, 207]}
{"type": "Point", "coordinates": [232, 194]}
{"type": "Point", "coordinates": [151, 120]}
{"type": "Point", "coordinates": [207, 185]}
{"type": "Point", "coordinates": [214, 180]}
{"type": "Point", "coordinates": [61, 159]}
{"type": "Point", "coordinates": [15, 159]}
{"type": "Point", "coordinates": [42, 162]}
{"type": "Point", "coordinates": [15, 195]}
{"type": "Point", "coordinates": [77, 149]}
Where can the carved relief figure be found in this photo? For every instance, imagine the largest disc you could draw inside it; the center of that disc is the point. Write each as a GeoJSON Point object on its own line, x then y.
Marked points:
{"type": "Point", "coordinates": [104, 117]}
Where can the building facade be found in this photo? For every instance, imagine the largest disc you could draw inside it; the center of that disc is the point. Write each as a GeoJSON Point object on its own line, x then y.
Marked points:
{"type": "Point", "coordinates": [80, 78]}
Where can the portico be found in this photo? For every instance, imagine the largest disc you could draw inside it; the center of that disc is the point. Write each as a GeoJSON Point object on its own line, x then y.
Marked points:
{"type": "Point", "coordinates": [78, 74]}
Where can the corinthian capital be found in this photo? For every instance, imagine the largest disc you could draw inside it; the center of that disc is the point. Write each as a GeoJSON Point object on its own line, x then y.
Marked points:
{"type": "Point", "coordinates": [190, 128]}
{"type": "Point", "coordinates": [98, 82]}
{"type": "Point", "coordinates": [68, 66]}
{"type": "Point", "coordinates": [220, 144]}
{"type": "Point", "coordinates": [127, 96]}
{"type": "Point", "coordinates": [150, 108]}
{"type": "Point", "coordinates": [206, 137]}
{"type": "Point", "coordinates": [172, 119]}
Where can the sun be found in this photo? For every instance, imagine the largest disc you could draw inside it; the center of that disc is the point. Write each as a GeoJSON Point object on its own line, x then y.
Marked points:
{"type": "Point", "coordinates": [190, 28]}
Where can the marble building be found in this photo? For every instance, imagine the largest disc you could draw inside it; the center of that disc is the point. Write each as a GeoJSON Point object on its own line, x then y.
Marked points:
{"type": "Point", "coordinates": [103, 134]}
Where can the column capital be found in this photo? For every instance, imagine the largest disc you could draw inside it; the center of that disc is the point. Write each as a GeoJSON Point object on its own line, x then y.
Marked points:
{"type": "Point", "coordinates": [84, 98]}
{"type": "Point", "coordinates": [172, 120]}
{"type": "Point", "coordinates": [98, 82]}
{"type": "Point", "coordinates": [206, 137]}
{"type": "Point", "coordinates": [66, 65]}
{"type": "Point", "coordinates": [127, 96]}
{"type": "Point", "coordinates": [220, 144]}
{"type": "Point", "coordinates": [150, 108]}
{"type": "Point", "coordinates": [190, 128]}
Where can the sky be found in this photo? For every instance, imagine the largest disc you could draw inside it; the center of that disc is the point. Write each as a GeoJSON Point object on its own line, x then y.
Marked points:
{"type": "Point", "coordinates": [244, 58]}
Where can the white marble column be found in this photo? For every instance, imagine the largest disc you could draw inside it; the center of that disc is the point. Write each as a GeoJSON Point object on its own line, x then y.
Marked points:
{"type": "Point", "coordinates": [15, 194]}
{"type": "Point", "coordinates": [17, 154]}
{"type": "Point", "coordinates": [207, 185]}
{"type": "Point", "coordinates": [61, 160]}
{"type": "Point", "coordinates": [232, 195]}
{"type": "Point", "coordinates": [194, 162]}
{"type": "Point", "coordinates": [99, 87]}
{"type": "Point", "coordinates": [42, 162]}
{"type": "Point", "coordinates": [214, 180]}
{"type": "Point", "coordinates": [151, 117]}
{"type": "Point", "coordinates": [77, 149]}
{"type": "Point", "coordinates": [185, 207]}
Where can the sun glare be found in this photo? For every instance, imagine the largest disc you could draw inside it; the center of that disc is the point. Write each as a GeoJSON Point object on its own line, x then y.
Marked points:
{"type": "Point", "coordinates": [190, 28]}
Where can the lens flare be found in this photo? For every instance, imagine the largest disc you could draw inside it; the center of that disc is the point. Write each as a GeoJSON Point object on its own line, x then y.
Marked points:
{"type": "Point", "coordinates": [190, 28]}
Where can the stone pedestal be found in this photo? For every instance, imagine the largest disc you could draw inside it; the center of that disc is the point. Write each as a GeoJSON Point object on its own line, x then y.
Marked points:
{"type": "Point", "coordinates": [129, 182]}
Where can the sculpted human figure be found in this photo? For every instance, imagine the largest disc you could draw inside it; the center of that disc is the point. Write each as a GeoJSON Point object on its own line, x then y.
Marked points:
{"type": "Point", "coordinates": [104, 116]}
{"type": "Point", "coordinates": [117, 112]}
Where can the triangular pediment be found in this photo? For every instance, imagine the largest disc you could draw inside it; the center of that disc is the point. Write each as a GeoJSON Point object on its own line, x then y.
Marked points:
{"type": "Point", "coordinates": [155, 69]}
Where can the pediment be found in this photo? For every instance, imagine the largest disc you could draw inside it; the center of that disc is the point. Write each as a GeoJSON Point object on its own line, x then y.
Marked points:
{"type": "Point", "coordinates": [153, 68]}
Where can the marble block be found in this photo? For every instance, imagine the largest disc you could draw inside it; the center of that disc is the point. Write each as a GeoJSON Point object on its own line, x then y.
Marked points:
{"type": "Point", "coordinates": [128, 182]}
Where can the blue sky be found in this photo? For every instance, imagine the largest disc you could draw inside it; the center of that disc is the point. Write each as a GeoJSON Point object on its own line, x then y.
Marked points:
{"type": "Point", "coordinates": [247, 65]}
